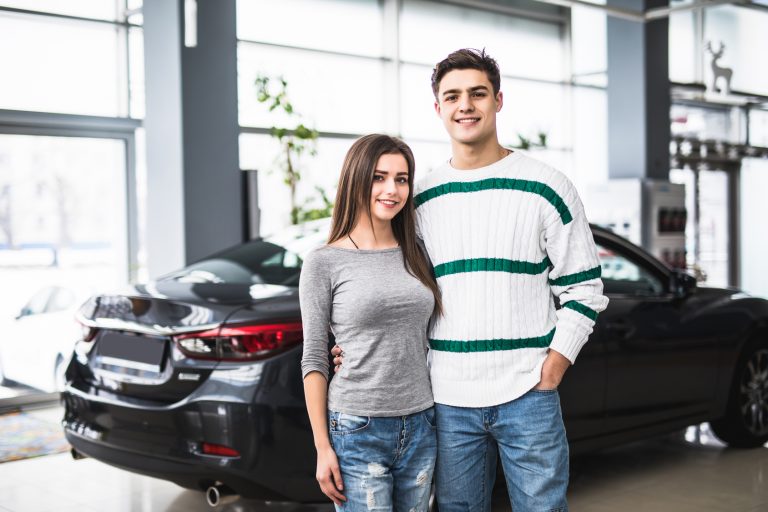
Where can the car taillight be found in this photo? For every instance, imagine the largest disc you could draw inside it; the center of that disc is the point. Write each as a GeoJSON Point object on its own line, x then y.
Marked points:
{"type": "Point", "coordinates": [248, 342]}
{"type": "Point", "coordinates": [220, 450]}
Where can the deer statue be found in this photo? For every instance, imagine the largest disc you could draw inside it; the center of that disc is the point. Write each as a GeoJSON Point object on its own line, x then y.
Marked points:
{"type": "Point", "coordinates": [719, 71]}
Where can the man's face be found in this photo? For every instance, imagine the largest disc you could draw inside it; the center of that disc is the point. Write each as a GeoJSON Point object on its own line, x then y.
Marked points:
{"type": "Point", "coordinates": [467, 106]}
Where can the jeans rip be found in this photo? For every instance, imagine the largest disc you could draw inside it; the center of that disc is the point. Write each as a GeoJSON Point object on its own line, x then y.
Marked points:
{"type": "Point", "coordinates": [374, 480]}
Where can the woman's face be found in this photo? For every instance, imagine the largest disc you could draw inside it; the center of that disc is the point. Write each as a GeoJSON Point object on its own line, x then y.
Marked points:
{"type": "Point", "coordinates": [390, 187]}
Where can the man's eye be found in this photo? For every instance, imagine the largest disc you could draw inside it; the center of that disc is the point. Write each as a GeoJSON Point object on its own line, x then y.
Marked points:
{"type": "Point", "coordinates": [479, 94]}
{"type": "Point", "coordinates": [451, 98]}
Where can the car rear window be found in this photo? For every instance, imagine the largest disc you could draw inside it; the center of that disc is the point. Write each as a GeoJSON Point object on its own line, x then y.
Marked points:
{"type": "Point", "coordinates": [255, 262]}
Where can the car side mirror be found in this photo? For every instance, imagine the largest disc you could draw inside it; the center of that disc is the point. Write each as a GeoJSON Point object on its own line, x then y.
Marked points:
{"type": "Point", "coordinates": [24, 312]}
{"type": "Point", "coordinates": [682, 284]}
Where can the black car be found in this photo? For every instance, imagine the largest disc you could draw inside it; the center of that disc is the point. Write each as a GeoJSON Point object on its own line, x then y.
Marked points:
{"type": "Point", "coordinates": [195, 378]}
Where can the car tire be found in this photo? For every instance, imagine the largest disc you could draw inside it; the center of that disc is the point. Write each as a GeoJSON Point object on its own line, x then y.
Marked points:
{"type": "Point", "coordinates": [745, 424]}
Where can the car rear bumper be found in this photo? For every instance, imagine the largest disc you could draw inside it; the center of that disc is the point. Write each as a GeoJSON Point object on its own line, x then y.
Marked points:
{"type": "Point", "coordinates": [268, 427]}
{"type": "Point", "coordinates": [188, 474]}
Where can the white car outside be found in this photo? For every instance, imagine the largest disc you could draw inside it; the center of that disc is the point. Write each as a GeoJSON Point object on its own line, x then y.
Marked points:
{"type": "Point", "coordinates": [36, 345]}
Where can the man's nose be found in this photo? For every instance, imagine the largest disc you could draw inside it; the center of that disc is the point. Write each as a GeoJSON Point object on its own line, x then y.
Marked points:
{"type": "Point", "coordinates": [465, 104]}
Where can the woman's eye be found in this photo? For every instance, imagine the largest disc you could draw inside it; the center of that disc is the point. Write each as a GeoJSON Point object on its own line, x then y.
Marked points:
{"type": "Point", "coordinates": [402, 181]}
{"type": "Point", "coordinates": [376, 177]}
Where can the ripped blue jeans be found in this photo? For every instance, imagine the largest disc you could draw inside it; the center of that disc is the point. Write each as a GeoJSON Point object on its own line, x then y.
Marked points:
{"type": "Point", "coordinates": [386, 462]}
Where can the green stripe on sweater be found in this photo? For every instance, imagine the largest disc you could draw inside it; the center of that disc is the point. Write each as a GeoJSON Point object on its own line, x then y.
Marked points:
{"type": "Point", "coordinates": [578, 277]}
{"type": "Point", "coordinates": [492, 345]}
{"type": "Point", "coordinates": [491, 265]}
{"type": "Point", "coordinates": [581, 308]}
{"type": "Point", "coordinates": [534, 187]}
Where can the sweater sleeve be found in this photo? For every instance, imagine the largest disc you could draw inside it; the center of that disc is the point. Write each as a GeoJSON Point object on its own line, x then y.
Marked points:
{"type": "Point", "coordinates": [574, 277]}
{"type": "Point", "coordinates": [315, 297]}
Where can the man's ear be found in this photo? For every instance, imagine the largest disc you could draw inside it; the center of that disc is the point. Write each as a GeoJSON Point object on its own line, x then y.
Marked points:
{"type": "Point", "coordinates": [499, 101]}
{"type": "Point", "coordinates": [437, 108]}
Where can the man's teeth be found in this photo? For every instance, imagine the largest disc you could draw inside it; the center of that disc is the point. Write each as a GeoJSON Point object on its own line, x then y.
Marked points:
{"type": "Point", "coordinates": [464, 121]}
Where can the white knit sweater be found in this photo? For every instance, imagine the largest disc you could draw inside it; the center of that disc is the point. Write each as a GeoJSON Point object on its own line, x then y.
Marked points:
{"type": "Point", "coordinates": [503, 239]}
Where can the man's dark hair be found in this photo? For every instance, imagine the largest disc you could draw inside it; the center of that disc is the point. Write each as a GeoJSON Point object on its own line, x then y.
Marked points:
{"type": "Point", "coordinates": [467, 58]}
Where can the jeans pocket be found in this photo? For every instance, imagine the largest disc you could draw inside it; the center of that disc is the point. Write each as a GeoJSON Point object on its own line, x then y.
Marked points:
{"type": "Point", "coordinates": [342, 423]}
{"type": "Point", "coordinates": [429, 417]}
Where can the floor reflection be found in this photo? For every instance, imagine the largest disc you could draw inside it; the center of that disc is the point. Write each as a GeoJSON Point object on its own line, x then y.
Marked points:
{"type": "Point", "coordinates": [687, 471]}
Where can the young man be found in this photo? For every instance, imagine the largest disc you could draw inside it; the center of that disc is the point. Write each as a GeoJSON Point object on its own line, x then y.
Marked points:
{"type": "Point", "coordinates": [504, 233]}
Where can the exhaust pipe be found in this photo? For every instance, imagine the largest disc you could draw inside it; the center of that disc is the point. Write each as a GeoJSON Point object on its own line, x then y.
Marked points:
{"type": "Point", "coordinates": [219, 494]}
{"type": "Point", "coordinates": [76, 455]}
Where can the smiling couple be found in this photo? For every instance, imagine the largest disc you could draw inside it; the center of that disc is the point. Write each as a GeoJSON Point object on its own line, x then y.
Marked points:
{"type": "Point", "coordinates": [447, 369]}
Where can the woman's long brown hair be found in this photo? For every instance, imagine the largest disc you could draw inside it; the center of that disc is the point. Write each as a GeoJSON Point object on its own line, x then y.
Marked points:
{"type": "Point", "coordinates": [353, 198]}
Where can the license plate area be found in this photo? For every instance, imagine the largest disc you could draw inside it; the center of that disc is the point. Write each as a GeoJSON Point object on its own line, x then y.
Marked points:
{"type": "Point", "coordinates": [141, 353]}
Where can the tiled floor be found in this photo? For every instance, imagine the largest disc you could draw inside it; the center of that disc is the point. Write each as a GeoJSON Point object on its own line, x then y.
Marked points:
{"type": "Point", "coordinates": [661, 475]}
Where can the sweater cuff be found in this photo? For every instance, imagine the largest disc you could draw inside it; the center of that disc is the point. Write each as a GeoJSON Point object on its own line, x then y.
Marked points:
{"type": "Point", "coordinates": [568, 342]}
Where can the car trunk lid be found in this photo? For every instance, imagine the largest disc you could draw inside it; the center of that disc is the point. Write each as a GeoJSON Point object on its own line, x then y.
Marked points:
{"type": "Point", "coordinates": [133, 352]}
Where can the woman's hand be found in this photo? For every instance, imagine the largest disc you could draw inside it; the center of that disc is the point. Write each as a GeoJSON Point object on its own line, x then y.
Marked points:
{"type": "Point", "coordinates": [329, 475]}
{"type": "Point", "coordinates": [338, 358]}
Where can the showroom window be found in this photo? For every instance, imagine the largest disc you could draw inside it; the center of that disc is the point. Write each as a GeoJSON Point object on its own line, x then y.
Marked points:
{"type": "Point", "coordinates": [741, 31]}
{"type": "Point", "coordinates": [71, 100]}
{"type": "Point", "coordinates": [68, 64]}
{"type": "Point", "coordinates": [722, 245]}
{"type": "Point", "coordinates": [382, 83]}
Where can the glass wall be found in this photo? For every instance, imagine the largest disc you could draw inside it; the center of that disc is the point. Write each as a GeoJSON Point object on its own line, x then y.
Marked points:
{"type": "Point", "coordinates": [738, 31]}
{"type": "Point", "coordinates": [381, 83]}
{"type": "Point", "coordinates": [742, 33]}
{"type": "Point", "coordinates": [59, 243]}
{"type": "Point", "coordinates": [71, 96]}
{"type": "Point", "coordinates": [73, 66]}
{"type": "Point", "coordinates": [754, 243]}
{"type": "Point", "coordinates": [684, 59]}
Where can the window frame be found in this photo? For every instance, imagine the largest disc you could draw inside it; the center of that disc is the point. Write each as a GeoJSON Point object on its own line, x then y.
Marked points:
{"type": "Point", "coordinates": [19, 122]}
{"type": "Point", "coordinates": [639, 257]}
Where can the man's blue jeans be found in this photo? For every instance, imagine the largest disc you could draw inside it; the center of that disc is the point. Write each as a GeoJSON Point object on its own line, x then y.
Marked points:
{"type": "Point", "coordinates": [531, 440]}
{"type": "Point", "coordinates": [386, 463]}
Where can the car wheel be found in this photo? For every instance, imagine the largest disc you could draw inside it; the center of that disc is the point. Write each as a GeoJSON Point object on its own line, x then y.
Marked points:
{"type": "Point", "coordinates": [745, 424]}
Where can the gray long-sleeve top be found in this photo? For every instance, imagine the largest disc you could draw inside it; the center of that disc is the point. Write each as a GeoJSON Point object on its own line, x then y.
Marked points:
{"type": "Point", "coordinates": [378, 313]}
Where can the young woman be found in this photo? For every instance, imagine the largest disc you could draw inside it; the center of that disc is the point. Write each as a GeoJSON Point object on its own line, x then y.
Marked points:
{"type": "Point", "coordinates": [372, 287]}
